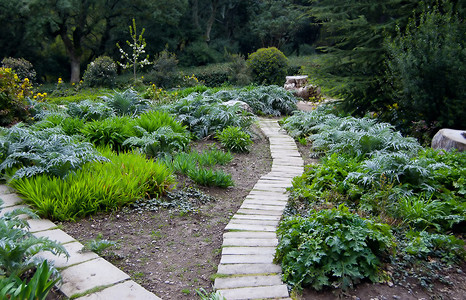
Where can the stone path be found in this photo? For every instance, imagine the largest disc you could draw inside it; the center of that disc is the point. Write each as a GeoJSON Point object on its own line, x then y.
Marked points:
{"type": "Point", "coordinates": [85, 275]}
{"type": "Point", "coordinates": [246, 269]}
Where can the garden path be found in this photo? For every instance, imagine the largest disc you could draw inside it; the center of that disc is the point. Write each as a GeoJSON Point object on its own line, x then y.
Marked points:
{"type": "Point", "coordinates": [246, 269]}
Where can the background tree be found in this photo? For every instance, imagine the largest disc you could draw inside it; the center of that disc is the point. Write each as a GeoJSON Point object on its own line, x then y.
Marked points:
{"type": "Point", "coordinates": [427, 65]}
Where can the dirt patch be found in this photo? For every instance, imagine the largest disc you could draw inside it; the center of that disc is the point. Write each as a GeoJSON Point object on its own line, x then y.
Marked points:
{"type": "Point", "coordinates": [171, 252]}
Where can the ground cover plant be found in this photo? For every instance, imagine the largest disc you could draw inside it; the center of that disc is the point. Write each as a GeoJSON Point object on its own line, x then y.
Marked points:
{"type": "Point", "coordinates": [23, 275]}
{"type": "Point", "coordinates": [370, 168]}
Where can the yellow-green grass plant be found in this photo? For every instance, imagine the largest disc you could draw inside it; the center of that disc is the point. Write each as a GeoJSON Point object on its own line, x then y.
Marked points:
{"type": "Point", "coordinates": [97, 186]}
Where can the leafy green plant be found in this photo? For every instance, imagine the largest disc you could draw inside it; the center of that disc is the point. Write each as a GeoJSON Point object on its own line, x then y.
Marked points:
{"type": "Point", "coordinates": [97, 186]}
{"type": "Point", "coordinates": [19, 247]}
{"type": "Point", "coordinates": [160, 142]}
{"type": "Point", "coordinates": [29, 152]}
{"type": "Point", "coordinates": [301, 123]}
{"type": "Point", "coordinates": [424, 244]}
{"type": "Point", "coordinates": [37, 288]}
{"type": "Point", "coordinates": [268, 66]}
{"type": "Point", "coordinates": [332, 248]}
{"type": "Point", "coordinates": [98, 245]}
{"type": "Point", "coordinates": [126, 103]}
{"type": "Point", "coordinates": [112, 132]}
{"type": "Point", "coordinates": [100, 72]}
{"type": "Point", "coordinates": [204, 114]}
{"type": "Point", "coordinates": [209, 177]}
{"type": "Point", "coordinates": [204, 295]}
{"type": "Point", "coordinates": [359, 136]}
{"type": "Point", "coordinates": [152, 120]}
{"type": "Point", "coordinates": [234, 139]}
{"type": "Point", "coordinates": [88, 110]}
{"type": "Point", "coordinates": [213, 157]}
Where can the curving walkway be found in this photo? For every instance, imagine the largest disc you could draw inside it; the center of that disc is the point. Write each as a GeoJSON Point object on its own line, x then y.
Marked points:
{"type": "Point", "coordinates": [246, 269]}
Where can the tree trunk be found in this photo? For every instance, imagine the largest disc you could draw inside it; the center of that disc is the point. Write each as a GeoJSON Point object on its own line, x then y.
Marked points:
{"type": "Point", "coordinates": [211, 20]}
{"type": "Point", "coordinates": [75, 69]}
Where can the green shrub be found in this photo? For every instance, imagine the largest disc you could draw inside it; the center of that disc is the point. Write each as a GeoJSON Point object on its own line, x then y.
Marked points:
{"type": "Point", "coordinates": [23, 68]}
{"type": "Point", "coordinates": [425, 245]}
{"type": "Point", "coordinates": [14, 94]}
{"type": "Point", "coordinates": [209, 177]}
{"type": "Point", "coordinates": [199, 53]}
{"type": "Point", "coordinates": [238, 71]}
{"type": "Point", "coordinates": [100, 72]}
{"type": "Point", "coordinates": [234, 139]}
{"type": "Point", "coordinates": [332, 248]}
{"type": "Point", "coordinates": [96, 187]}
{"type": "Point", "coordinates": [268, 66]}
{"type": "Point", "coordinates": [112, 132]}
{"type": "Point", "coordinates": [427, 64]}
{"type": "Point", "coordinates": [164, 70]}
{"type": "Point", "coordinates": [27, 153]}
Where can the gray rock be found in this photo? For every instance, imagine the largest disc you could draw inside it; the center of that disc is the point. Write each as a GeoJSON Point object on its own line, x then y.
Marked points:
{"type": "Point", "coordinates": [448, 139]}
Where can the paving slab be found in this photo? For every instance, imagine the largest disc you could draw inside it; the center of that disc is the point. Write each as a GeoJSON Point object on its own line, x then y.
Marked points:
{"type": "Point", "coordinates": [241, 242]}
{"type": "Point", "coordinates": [10, 199]}
{"type": "Point", "coordinates": [263, 292]}
{"type": "Point", "coordinates": [267, 196]}
{"type": "Point", "coordinates": [126, 290]}
{"type": "Point", "coordinates": [246, 281]}
{"type": "Point", "coordinates": [236, 269]}
{"type": "Point", "coordinates": [280, 203]}
{"type": "Point", "coordinates": [91, 274]}
{"type": "Point", "coordinates": [264, 207]}
{"type": "Point", "coordinates": [251, 227]}
{"type": "Point", "coordinates": [249, 235]}
{"type": "Point", "coordinates": [36, 225]}
{"type": "Point", "coordinates": [255, 222]}
{"type": "Point", "coordinates": [247, 259]}
{"type": "Point", "coordinates": [57, 235]}
{"type": "Point", "coordinates": [76, 257]}
{"type": "Point", "coordinates": [248, 250]}
{"type": "Point", "coordinates": [4, 189]}
{"type": "Point", "coordinates": [256, 217]}
{"type": "Point", "coordinates": [11, 208]}
{"type": "Point", "coordinates": [247, 211]}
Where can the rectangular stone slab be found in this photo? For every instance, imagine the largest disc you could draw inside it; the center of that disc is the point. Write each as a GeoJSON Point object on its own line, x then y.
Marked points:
{"type": "Point", "coordinates": [249, 235]}
{"type": "Point", "coordinates": [37, 225]}
{"type": "Point", "coordinates": [242, 242]}
{"type": "Point", "coordinates": [254, 222]}
{"type": "Point", "coordinates": [248, 269]}
{"type": "Point", "coordinates": [10, 199]}
{"type": "Point", "coordinates": [89, 275]}
{"type": "Point", "coordinates": [256, 217]}
{"type": "Point", "coordinates": [56, 235]}
{"type": "Point", "coordinates": [264, 207]}
{"type": "Point", "coordinates": [125, 290]}
{"type": "Point", "coordinates": [247, 259]}
{"type": "Point", "coordinates": [248, 250]}
{"type": "Point", "coordinates": [4, 189]}
{"type": "Point", "coordinates": [75, 256]}
{"type": "Point", "coordinates": [246, 281]}
{"type": "Point", "coordinates": [251, 227]}
{"type": "Point", "coordinates": [262, 292]}
{"type": "Point", "coordinates": [259, 212]}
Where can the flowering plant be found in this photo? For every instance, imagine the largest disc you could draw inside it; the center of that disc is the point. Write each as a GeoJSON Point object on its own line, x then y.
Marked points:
{"type": "Point", "coordinates": [138, 45]}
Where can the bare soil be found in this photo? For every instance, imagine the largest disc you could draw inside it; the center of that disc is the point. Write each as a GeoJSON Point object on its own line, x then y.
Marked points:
{"type": "Point", "coordinates": [173, 253]}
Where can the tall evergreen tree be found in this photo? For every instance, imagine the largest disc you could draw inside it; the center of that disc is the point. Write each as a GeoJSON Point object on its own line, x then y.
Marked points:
{"type": "Point", "coordinates": [352, 37]}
